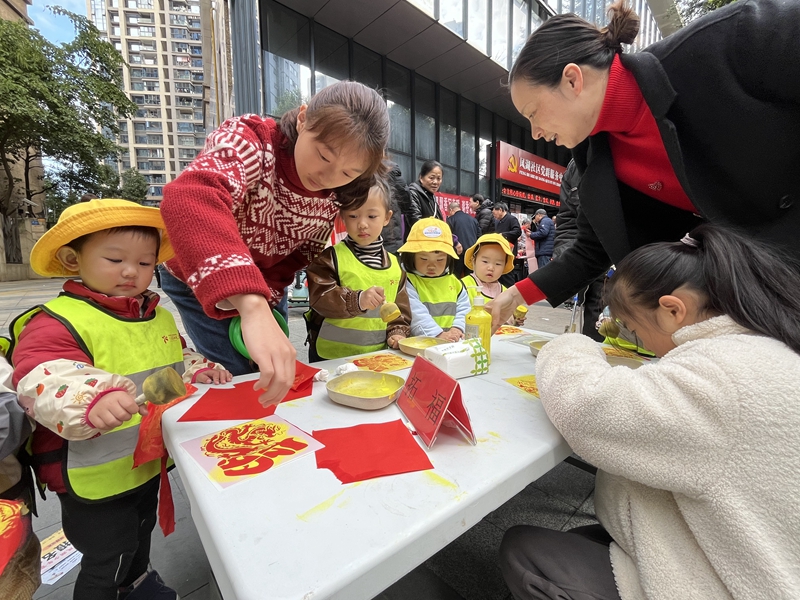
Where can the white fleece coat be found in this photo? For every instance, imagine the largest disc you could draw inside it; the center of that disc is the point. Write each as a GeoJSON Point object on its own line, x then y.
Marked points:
{"type": "Point", "coordinates": [699, 456]}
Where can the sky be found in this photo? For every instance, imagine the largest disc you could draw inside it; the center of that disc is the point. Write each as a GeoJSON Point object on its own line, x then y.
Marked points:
{"type": "Point", "coordinates": [55, 28]}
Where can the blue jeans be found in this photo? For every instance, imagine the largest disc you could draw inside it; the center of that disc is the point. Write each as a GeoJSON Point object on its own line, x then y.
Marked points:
{"type": "Point", "coordinates": [210, 336]}
{"type": "Point", "coordinates": [543, 260]}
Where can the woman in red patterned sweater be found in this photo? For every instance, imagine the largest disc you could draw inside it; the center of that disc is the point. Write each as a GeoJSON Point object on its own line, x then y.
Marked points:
{"type": "Point", "coordinates": [257, 205]}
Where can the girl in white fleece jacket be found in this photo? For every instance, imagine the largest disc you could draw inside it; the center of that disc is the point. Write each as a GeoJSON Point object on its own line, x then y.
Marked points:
{"type": "Point", "coordinates": [698, 453]}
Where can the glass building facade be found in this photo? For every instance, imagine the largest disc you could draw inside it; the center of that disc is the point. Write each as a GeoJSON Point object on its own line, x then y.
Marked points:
{"type": "Point", "coordinates": [302, 51]}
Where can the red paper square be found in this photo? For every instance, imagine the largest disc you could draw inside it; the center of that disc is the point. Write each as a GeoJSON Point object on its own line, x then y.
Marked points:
{"type": "Point", "coordinates": [371, 450]}
{"type": "Point", "coordinates": [239, 403]}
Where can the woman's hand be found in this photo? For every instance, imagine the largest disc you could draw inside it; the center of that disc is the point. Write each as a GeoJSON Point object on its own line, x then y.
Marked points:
{"type": "Point", "coordinates": [268, 346]}
{"type": "Point", "coordinates": [503, 306]}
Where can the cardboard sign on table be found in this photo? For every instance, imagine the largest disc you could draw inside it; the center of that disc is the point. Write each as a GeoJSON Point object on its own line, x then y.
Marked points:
{"type": "Point", "coordinates": [430, 399]}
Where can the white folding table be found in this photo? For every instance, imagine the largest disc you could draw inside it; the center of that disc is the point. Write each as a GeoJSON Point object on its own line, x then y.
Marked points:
{"type": "Point", "coordinates": [296, 532]}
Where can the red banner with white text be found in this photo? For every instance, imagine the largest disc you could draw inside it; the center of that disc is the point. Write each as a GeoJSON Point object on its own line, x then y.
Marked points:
{"type": "Point", "coordinates": [518, 166]}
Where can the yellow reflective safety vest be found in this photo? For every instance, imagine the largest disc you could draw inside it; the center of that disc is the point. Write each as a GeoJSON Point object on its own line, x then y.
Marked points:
{"type": "Point", "coordinates": [102, 468]}
{"type": "Point", "coordinates": [470, 280]}
{"type": "Point", "coordinates": [439, 295]}
{"type": "Point", "coordinates": [367, 332]}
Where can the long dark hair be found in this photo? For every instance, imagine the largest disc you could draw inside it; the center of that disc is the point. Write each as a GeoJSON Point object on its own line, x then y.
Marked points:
{"type": "Point", "coordinates": [756, 285]}
{"type": "Point", "coordinates": [567, 38]}
{"type": "Point", "coordinates": [349, 111]}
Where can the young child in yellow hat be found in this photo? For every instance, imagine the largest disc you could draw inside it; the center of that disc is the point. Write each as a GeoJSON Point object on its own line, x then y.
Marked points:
{"type": "Point", "coordinates": [489, 258]}
{"type": "Point", "coordinates": [349, 282]}
{"type": "Point", "coordinates": [439, 302]}
{"type": "Point", "coordinates": [80, 360]}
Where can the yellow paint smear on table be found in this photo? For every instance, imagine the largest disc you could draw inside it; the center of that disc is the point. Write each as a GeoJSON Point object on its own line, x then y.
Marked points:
{"type": "Point", "coordinates": [495, 434]}
{"type": "Point", "coordinates": [439, 480]}
{"type": "Point", "coordinates": [325, 504]}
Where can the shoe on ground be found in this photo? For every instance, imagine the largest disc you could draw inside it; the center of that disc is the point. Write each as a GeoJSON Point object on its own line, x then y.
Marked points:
{"type": "Point", "coordinates": [151, 587]}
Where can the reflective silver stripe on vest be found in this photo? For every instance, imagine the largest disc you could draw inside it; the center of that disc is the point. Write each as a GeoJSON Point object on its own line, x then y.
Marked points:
{"type": "Point", "coordinates": [138, 378]}
{"type": "Point", "coordinates": [373, 313]}
{"type": "Point", "coordinates": [114, 444]}
{"type": "Point", "coordinates": [103, 448]}
{"type": "Point", "coordinates": [441, 309]}
{"type": "Point", "coordinates": [355, 337]}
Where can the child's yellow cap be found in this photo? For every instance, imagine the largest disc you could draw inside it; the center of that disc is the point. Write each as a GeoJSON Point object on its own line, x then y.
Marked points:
{"type": "Point", "coordinates": [90, 217]}
{"type": "Point", "coordinates": [491, 238]}
{"type": "Point", "coordinates": [429, 235]}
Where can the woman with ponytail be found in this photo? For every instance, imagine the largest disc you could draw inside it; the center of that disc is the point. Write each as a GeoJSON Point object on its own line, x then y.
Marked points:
{"type": "Point", "coordinates": [703, 125]}
{"type": "Point", "coordinates": [698, 453]}
{"type": "Point", "coordinates": [257, 205]}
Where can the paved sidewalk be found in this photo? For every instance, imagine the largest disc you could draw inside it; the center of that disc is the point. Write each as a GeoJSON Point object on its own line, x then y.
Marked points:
{"type": "Point", "coordinates": [464, 570]}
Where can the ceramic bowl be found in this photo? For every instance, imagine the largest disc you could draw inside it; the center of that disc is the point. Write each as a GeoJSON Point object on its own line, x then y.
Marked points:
{"type": "Point", "coordinates": [415, 345]}
{"type": "Point", "coordinates": [365, 389]}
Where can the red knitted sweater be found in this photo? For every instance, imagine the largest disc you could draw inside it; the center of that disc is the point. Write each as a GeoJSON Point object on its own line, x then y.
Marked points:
{"type": "Point", "coordinates": [239, 218]}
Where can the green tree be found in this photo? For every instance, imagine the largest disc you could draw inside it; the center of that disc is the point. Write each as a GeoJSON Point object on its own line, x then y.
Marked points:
{"type": "Point", "coordinates": [134, 186]}
{"type": "Point", "coordinates": [287, 101]}
{"type": "Point", "coordinates": [689, 10]}
{"type": "Point", "coordinates": [59, 101]}
{"type": "Point", "coordinates": [57, 199]}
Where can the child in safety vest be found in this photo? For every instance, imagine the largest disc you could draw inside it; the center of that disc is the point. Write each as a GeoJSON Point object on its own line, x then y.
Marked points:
{"type": "Point", "coordinates": [489, 258]}
{"type": "Point", "coordinates": [349, 282]}
{"type": "Point", "coordinates": [439, 302]}
{"type": "Point", "coordinates": [80, 360]}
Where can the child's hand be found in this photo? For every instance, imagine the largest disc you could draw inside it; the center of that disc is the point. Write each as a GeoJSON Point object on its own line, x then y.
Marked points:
{"type": "Point", "coordinates": [371, 298]}
{"type": "Point", "coordinates": [214, 376]}
{"type": "Point", "coordinates": [394, 341]}
{"type": "Point", "coordinates": [451, 335]}
{"type": "Point", "coordinates": [112, 410]}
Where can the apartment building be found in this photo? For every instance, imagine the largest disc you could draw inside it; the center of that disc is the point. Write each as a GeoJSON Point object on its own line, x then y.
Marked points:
{"type": "Point", "coordinates": [162, 42]}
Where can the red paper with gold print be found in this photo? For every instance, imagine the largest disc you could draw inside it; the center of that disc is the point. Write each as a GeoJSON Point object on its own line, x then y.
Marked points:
{"type": "Point", "coordinates": [380, 363]}
{"type": "Point", "coordinates": [150, 446]}
{"type": "Point", "coordinates": [508, 330]}
{"type": "Point", "coordinates": [12, 529]}
{"type": "Point", "coordinates": [249, 449]}
{"type": "Point", "coordinates": [527, 383]}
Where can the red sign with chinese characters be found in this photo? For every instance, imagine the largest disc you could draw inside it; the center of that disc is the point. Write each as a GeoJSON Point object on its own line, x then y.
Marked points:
{"type": "Point", "coordinates": [518, 166]}
{"type": "Point", "coordinates": [430, 399]}
{"type": "Point", "coordinates": [444, 200]}
{"type": "Point", "coordinates": [522, 194]}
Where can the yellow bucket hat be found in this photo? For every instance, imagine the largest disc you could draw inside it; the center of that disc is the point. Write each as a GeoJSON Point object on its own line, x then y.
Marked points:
{"type": "Point", "coordinates": [90, 217]}
{"type": "Point", "coordinates": [491, 238]}
{"type": "Point", "coordinates": [429, 235]}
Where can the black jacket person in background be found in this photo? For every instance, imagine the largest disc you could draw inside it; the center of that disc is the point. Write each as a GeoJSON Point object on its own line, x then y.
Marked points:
{"type": "Point", "coordinates": [508, 226]}
{"type": "Point", "coordinates": [465, 228]}
{"type": "Point", "coordinates": [393, 232]}
{"type": "Point", "coordinates": [592, 297]}
{"type": "Point", "coordinates": [483, 213]}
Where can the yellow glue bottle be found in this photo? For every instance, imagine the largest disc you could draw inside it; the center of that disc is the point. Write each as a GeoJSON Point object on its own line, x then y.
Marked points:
{"type": "Point", "coordinates": [479, 325]}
